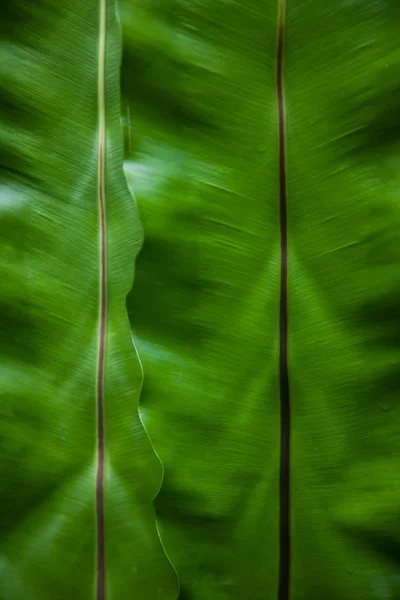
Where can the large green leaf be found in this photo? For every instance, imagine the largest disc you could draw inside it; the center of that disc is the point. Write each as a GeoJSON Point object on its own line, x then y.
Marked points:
{"type": "Point", "coordinates": [61, 158]}
{"type": "Point", "coordinates": [201, 102]}
{"type": "Point", "coordinates": [232, 149]}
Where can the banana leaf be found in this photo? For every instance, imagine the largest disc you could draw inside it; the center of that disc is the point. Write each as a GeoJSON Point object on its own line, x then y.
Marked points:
{"type": "Point", "coordinates": [78, 472]}
{"type": "Point", "coordinates": [199, 294]}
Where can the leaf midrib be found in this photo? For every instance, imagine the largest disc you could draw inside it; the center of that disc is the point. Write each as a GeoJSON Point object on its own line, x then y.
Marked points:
{"type": "Point", "coordinates": [101, 143]}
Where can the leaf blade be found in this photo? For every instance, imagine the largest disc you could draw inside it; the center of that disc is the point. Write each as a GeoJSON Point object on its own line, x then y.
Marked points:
{"type": "Point", "coordinates": [204, 307]}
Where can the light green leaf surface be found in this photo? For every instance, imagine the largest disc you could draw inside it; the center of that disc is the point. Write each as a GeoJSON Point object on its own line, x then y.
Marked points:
{"type": "Point", "coordinates": [343, 116]}
{"type": "Point", "coordinates": [199, 108]}
{"type": "Point", "coordinates": [50, 296]}
{"type": "Point", "coordinates": [199, 81]}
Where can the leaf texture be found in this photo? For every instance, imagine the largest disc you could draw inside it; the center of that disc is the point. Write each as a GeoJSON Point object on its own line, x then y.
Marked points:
{"type": "Point", "coordinates": [200, 79]}
{"type": "Point", "coordinates": [256, 134]}
{"type": "Point", "coordinates": [69, 236]}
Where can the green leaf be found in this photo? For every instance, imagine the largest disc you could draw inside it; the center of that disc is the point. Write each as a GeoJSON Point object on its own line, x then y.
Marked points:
{"type": "Point", "coordinates": [61, 158]}
{"type": "Point", "coordinates": [200, 81]}
{"type": "Point", "coordinates": [201, 102]}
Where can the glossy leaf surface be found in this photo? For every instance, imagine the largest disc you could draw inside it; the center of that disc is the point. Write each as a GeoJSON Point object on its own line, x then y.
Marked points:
{"type": "Point", "coordinates": [200, 107]}
{"type": "Point", "coordinates": [204, 307]}
{"type": "Point", "coordinates": [61, 153]}
{"type": "Point", "coordinates": [343, 190]}
{"type": "Point", "coordinates": [199, 79]}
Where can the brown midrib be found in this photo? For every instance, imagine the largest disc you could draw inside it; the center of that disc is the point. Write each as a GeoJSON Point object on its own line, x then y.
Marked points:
{"type": "Point", "coordinates": [284, 475]}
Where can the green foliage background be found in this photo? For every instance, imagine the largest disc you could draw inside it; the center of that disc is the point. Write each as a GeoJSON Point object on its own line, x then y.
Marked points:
{"type": "Point", "coordinates": [192, 131]}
